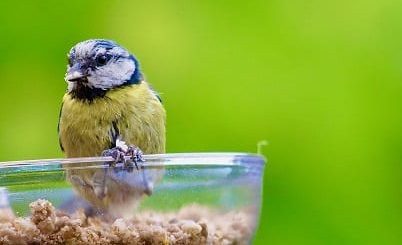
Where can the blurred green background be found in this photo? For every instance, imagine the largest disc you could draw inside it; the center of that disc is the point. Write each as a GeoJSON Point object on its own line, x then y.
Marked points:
{"type": "Point", "coordinates": [320, 80]}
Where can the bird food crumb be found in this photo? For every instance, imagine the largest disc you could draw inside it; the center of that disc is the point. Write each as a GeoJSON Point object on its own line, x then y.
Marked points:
{"type": "Point", "coordinates": [192, 224]}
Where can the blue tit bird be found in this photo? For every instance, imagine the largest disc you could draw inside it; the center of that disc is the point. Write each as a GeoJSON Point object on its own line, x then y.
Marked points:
{"type": "Point", "coordinates": [109, 109]}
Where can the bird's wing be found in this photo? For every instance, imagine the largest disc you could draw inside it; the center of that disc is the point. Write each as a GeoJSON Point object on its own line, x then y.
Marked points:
{"type": "Point", "coordinates": [155, 93]}
{"type": "Point", "coordinates": [114, 134]}
{"type": "Point", "coordinates": [58, 127]}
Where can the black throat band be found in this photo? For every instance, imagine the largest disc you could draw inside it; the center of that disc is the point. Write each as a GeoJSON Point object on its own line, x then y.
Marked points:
{"type": "Point", "coordinates": [85, 93]}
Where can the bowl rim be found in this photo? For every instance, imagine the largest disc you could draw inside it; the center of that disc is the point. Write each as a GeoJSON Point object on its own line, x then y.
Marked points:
{"type": "Point", "coordinates": [152, 160]}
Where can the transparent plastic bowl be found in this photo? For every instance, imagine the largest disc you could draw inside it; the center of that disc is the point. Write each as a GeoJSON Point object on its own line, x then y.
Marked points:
{"type": "Point", "coordinates": [209, 198]}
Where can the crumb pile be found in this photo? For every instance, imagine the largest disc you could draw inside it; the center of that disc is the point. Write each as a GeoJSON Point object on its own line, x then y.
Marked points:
{"type": "Point", "coordinates": [193, 224]}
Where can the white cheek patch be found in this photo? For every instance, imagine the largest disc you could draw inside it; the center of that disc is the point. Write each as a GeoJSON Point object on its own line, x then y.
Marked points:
{"type": "Point", "coordinates": [113, 74]}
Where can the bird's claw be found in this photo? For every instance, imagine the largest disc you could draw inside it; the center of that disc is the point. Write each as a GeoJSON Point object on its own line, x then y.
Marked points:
{"type": "Point", "coordinates": [119, 154]}
{"type": "Point", "coordinates": [136, 156]}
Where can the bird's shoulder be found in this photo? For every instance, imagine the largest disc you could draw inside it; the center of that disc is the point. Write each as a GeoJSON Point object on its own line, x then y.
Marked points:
{"type": "Point", "coordinates": [134, 93]}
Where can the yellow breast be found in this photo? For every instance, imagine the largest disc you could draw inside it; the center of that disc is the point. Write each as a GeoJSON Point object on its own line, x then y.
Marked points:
{"type": "Point", "coordinates": [85, 127]}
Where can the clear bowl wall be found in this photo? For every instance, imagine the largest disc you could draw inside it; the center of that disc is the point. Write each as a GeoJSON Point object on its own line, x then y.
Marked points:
{"type": "Point", "coordinates": [219, 192]}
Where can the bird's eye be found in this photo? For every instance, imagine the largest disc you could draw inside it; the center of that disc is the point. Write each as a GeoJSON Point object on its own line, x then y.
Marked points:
{"type": "Point", "coordinates": [101, 60]}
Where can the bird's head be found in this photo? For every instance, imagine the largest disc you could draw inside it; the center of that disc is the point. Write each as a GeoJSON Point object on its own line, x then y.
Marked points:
{"type": "Point", "coordinates": [97, 65]}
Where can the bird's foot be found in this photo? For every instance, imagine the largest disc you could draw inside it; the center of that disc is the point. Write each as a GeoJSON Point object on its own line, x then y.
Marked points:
{"type": "Point", "coordinates": [137, 158]}
{"type": "Point", "coordinates": [121, 151]}
{"type": "Point", "coordinates": [117, 153]}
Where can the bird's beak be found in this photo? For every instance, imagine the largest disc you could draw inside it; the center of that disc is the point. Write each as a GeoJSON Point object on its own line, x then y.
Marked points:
{"type": "Point", "coordinates": [75, 74]}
